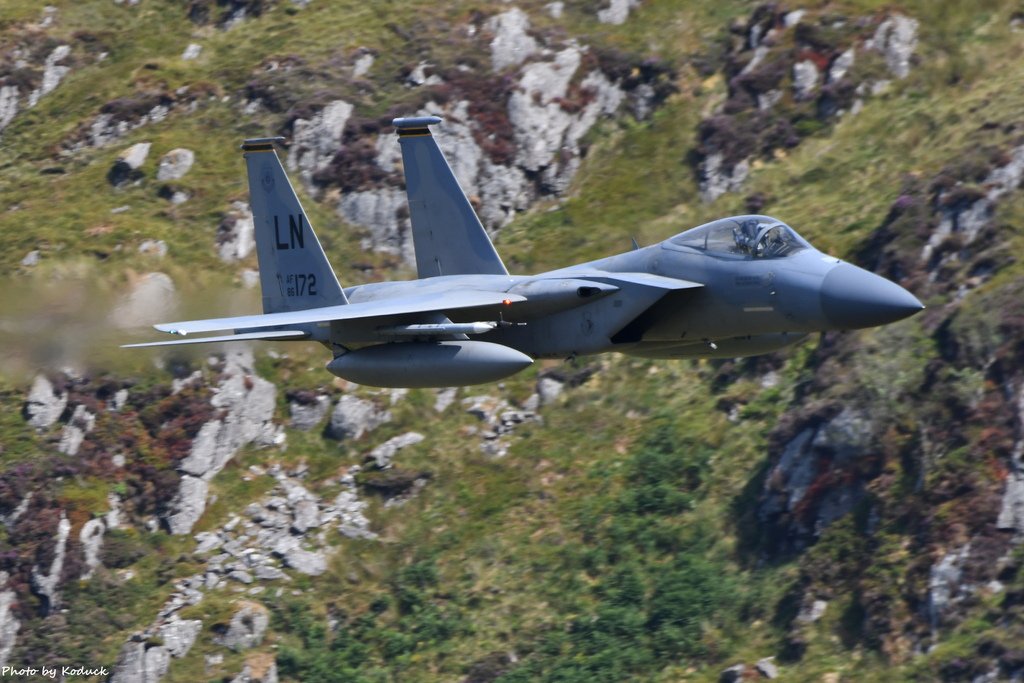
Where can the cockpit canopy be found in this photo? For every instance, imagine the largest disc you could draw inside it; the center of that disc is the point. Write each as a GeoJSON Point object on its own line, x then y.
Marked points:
{"type": "Point", "coordinates": [760, 237]}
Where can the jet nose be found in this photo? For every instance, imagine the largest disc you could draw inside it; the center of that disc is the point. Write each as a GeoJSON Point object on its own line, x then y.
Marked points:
{"type": "Point", "coordinates": [852, 298]}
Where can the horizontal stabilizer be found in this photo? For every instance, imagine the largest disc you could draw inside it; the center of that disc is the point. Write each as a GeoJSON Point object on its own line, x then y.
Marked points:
{"type": "Point", "coordinates": [265, 336]}
{"type": "Point", "coordinates": [423, 303]}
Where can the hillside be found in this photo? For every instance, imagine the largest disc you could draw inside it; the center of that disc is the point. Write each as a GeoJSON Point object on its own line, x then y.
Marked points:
{"type": "Point", "coordinates": [847, 509]}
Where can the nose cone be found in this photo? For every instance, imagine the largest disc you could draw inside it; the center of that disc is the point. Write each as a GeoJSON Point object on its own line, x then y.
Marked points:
{"type": "Point", "coordinates": [852, 298]}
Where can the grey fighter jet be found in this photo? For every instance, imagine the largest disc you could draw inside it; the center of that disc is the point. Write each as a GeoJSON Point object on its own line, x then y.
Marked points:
{"type": "Point", "coordinates": [737, 286]}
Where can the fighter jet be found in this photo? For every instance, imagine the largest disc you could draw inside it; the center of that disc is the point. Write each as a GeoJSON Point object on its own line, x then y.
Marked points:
{"type": "Point", "coordinates": [736, 286]}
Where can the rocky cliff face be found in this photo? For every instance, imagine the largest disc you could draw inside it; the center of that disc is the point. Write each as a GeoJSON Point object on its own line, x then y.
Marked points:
{"type": "Point", "coordinates": [844, 509]}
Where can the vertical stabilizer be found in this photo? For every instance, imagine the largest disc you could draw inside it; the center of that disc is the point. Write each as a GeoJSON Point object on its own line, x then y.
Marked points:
{"type": "Point", "coordinates": [447, 234]}
{"type": "Point", "coordinates": [294, 272]}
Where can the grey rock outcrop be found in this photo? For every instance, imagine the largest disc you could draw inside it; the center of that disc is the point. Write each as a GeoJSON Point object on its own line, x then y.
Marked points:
{"type": "Point", "coordinates": [188, 505]}
{"type": "Point", "coordinates": [1011, 512]}
{"type": "Point", "coordinates": [362, 64]}
{"type": "Point", "coordinates": [236, 236]}
{"type": "Point", "coordinates": [383, 454]}
{"type": "Point", "coordinates": [511, 45]}
{"type": "Point", "coordinates": [352, 417]}
{"type": "Point", "coordinates": [445, 397]}
{"type": "Point", "coordinates": [716, 178]}
{"type": "Point", "coordinates": [192, 51]}
{"type": "Point", "coordinates": [822, 452]}
{"type": "Point", "coordinates": [247, 627]}
{"type": "Point", "coordinates": [45, 404]}
{"type": "Point", "coordinates": [53, 73]}
{"type": "Point", "coordinates": [380, 212]}
{"type": "Point", "coordinates": [306, 415]}
{"type": "Point", "coordinates": [91, 538]}
{"type": "Point", "coordinates": [47, 585]}
{"type": "Point", "coordinates": [316, 140]}
{"type": "Point", "coordinates": [175, 164]}
{"type": "Point", "coordinates": [179, 635]}
{"type": "Point", "coordinates": [944, 583]}
{"type": "Point", "coordinates": [9, 624]}
{"type": "Point", "coordinates": [549, 389]}
{"type": "Point", "coordinates": [8, 104]}
{"type": "Point", "coordinates": [31, 259]}
{"type": "Point", "coordinates": [805, 79]}
{"type": "Point", "coordinates": [896, 39]}
{"type": "Point", "coordinates": [80, 424]}
{"type": "Point", "coordinates": [246, 404]}
{"type": "Point", "coordinates": [139, 662]}
{"type": "Point", "coordinates": [841, 65]}
{"type": "Point", "coordinates": [152, 298]}
{"type": "Point", "coordinates": [617, 11]}
{"type": "Point", "coordinates": [967, 221]}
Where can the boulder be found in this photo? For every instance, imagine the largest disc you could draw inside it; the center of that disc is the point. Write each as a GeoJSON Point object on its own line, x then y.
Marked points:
{"type": "Point", "coordinates": [31, 258]}
{"type": "Point", "coordinates": [192, 51]}
{"type": "Point", "coordinates": [511, 44]}
{"type": "Point", "coordinates": [247, 627]}
{"type": "Point", "coordinates": [767, 668]}
{"type": "Point", "coordinates": [45, 404]}
{"type": "Point", "coordinates": [362, 64]}
{"type": "Point", "coordinates": [313, 563]}
{"type": "Point", "coordinates": [734, 674]}
{"type": "Point", "coordinates": [307, 516]}
{"type": "Point", "coordinates": [384, 453]}
{"type": "Point", "coordinates": [126, 167]}
{"type": "Point", "coordinates": [353, 417]}
{"type": "Point", "coordinates": [156, 248]}
{"type": "Point", "coordinates": [175, 164]}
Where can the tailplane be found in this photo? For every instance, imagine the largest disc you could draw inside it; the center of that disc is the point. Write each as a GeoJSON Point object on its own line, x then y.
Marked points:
{"type": "Point", "coordinates": [447, 234]}
{"type": "Point", "coordinates": [294, 272]}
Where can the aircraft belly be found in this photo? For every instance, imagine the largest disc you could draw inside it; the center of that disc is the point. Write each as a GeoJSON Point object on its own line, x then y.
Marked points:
{"type": "Point", "coordinates": [579, 331]}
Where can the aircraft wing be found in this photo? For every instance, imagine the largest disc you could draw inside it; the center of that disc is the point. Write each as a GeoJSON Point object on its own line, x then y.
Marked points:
{"type": "Point", "coordinates": [424, 303]}
{"type": "Point", "coordinates": [265, 335]}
